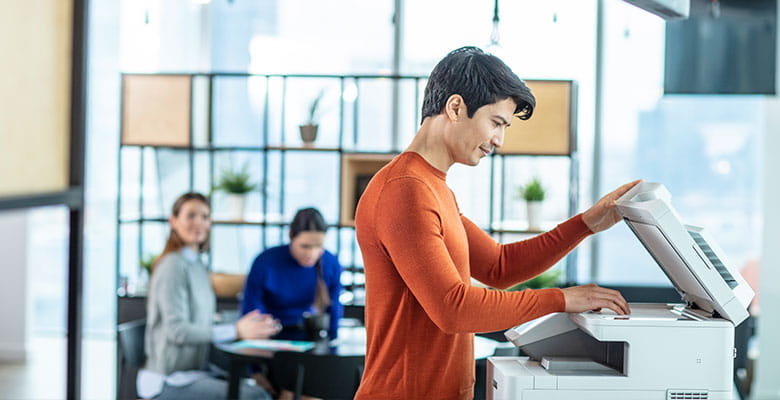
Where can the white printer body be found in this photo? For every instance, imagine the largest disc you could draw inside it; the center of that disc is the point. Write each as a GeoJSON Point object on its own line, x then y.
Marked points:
{"type": "Point", "coordinates": [659, 351]}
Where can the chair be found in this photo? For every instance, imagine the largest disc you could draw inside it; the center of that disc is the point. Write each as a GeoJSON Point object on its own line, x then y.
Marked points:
{"type": "Point", "coordinates": [326, 376]}
{"type": "Point", "coordinates": [130, 356]}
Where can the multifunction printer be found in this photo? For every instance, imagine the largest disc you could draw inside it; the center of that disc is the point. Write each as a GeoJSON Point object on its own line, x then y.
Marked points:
{"type": "Point", "coordinates": [658, 351]}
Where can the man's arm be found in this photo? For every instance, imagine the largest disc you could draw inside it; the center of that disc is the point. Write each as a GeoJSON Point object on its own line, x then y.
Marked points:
{"type": "Point", "coordinates": [555, 244]}
{"type": "Point", "coordinates": [502, 266]}
{"type": "Point", "coordinates": [412, 236]}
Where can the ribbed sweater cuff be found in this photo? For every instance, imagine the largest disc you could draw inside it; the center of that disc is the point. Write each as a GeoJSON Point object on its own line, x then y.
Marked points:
{"type": "Point", "coordinates": [575, 226]}
{"type": "Point", "coordinates": [551, 300]}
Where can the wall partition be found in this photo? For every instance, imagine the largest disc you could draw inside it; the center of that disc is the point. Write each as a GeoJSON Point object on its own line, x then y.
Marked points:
{"type": "Point", "coordinates": [42, 130]}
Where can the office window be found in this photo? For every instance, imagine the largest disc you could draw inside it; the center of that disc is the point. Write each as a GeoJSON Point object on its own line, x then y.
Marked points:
{"type": "Point", "coordinates": [47, 262]}
{"type": "Point", "coordinates": [538, 40]}
{"type": "Point", "coordinates": [266, 36]}
{"type": "Point", "coordinates": [704, 149]}
{"type": "Point", "coordinates": [312, 36]}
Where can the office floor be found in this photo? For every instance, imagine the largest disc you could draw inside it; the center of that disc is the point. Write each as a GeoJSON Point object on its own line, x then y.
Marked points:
{"type": "Point", "coordinates": [42, 377]}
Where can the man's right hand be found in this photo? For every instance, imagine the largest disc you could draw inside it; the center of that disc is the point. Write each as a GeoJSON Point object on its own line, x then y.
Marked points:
{"type": "Point", "coordinates": [593, 297]}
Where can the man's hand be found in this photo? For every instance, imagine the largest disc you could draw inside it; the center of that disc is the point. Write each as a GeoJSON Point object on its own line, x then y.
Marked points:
{"type": "Point", "coordinates": [257, 326]}
{"type": "Point", "coordinates": [603, 214]}
{"type": "Point", "coordinates": [593, 297]}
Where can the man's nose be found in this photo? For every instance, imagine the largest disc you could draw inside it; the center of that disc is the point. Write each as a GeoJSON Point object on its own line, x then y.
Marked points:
{"type": "Point", "coordinates": [498, 140]}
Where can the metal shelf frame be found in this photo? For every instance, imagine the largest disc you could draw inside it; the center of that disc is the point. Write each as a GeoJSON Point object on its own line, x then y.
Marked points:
{"type": "Point", "coordinates": [343, 149]}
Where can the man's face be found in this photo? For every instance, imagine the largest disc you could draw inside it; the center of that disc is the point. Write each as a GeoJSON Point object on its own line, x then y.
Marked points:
{"type": "Point", "coordinates": [476, 137]}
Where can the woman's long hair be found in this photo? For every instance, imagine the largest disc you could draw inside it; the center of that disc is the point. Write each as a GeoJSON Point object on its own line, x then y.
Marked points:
{"type": "Point", "coordinates": [310, 220]}
{"type": "Point", "coordinates": [175, 243]}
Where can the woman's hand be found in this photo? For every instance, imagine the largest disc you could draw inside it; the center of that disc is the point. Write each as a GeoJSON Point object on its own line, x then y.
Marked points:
{"type": "Point", "coordinates": [593, 297]}
{"type": "Point", "coordinates": [257, 326]}
{"type": "Point", "coordinates": [603, 215]}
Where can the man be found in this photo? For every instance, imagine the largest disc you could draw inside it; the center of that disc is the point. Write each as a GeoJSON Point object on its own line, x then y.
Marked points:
{"type": "Point", "coordinates": [420, 252]}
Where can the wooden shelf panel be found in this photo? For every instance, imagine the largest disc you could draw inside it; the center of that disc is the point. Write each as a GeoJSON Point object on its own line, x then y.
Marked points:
{"type": "Point", "coordinates": [156, 110]}
{"type": "Point", "coordinates": [551, 127]}
{"type": "Point", "coordinates": [356, 171]}
{"type": "Point", "coordinates": [35, 119]}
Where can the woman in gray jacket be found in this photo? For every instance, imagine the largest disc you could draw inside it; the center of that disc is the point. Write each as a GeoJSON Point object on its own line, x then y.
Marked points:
{"type": "Point", "coordinates": [180, 314]}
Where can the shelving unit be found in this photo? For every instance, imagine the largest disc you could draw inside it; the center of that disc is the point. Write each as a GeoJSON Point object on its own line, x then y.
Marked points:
{"type": "Point", "coordinates": [551, 133]}
{"type": "Point", "coordinates": [356, 170]}
{"type": "Point", "coordinates": [350, 162]}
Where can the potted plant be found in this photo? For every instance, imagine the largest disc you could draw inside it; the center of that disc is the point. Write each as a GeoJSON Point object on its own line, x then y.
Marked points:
{"type": "Point", "coordinates": [533, 194]}
{"type": "Point", "coordinates": [236, 184]}
{"type": "Point", "coordinates": [544, 280]}
{"type": "Point", "coordinates": [146, 264]}
{"type": "Point", "coordinates": [309, 129]}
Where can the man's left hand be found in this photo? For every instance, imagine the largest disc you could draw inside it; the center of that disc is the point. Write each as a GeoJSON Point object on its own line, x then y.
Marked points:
{"type": "Point", "coordinates": [603, 214]}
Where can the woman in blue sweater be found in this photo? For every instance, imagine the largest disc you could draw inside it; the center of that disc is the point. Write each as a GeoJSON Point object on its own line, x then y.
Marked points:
{"type": "Point", "coordinates": [295, 280]}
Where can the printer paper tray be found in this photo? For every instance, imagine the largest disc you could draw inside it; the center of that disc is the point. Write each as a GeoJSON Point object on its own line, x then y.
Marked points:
{"type": "Point", "coordinates": [566, 366]}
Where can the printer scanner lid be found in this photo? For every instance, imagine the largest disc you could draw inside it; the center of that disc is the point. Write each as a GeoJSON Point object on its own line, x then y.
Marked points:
{"type": "Point", "coordinates": [690, 258]}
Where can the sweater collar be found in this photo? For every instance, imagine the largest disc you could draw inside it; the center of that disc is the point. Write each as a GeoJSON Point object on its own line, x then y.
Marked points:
{"type": "Point", "coordinates": [189, 254]}
{"type": "Point", "coordinates": [430, 168]}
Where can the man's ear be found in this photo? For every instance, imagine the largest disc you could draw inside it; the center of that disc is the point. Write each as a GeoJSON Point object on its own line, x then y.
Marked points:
{"type": "Point", "coordinates": [455, 108]}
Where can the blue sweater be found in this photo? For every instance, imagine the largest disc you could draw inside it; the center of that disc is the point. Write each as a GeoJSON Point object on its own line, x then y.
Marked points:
{"type": "Point", "coordinates": [279, 286]}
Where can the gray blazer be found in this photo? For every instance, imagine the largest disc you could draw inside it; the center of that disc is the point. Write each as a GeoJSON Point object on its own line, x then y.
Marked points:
{"type": "Point", "coordinates": [180, 313]}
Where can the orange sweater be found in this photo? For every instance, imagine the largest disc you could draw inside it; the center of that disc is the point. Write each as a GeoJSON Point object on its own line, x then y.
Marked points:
{"type": "Point", "coordinates": [421, 310]}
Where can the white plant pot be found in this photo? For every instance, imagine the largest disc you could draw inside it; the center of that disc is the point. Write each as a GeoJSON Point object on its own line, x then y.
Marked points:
{"type": "Point", "coordinates": [236, 204]}
{"type": "Point", "coordinates": [142, 284]}
{"type": "Point", "coordinates": [534, 213]}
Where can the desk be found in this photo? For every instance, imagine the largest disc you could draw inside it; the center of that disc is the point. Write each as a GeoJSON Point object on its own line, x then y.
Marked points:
{"type": "Point", "coordinates": [351, 341]}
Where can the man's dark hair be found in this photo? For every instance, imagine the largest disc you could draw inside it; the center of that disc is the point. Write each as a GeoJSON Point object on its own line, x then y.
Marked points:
{"type": "Point", "coordinates": [480, 78]}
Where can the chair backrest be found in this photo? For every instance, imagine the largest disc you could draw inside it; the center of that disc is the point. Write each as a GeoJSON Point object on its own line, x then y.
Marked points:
{"type": "Point", "coordinates": [130, 338]}
{"type": "Point", "coordinates": [324, 376]}
{"type": "Point", "coordinates": [130, 356]}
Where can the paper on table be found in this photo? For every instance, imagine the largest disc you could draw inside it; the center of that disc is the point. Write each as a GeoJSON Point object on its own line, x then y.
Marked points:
{"type": "Point", "coordinates": [279, 345]}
